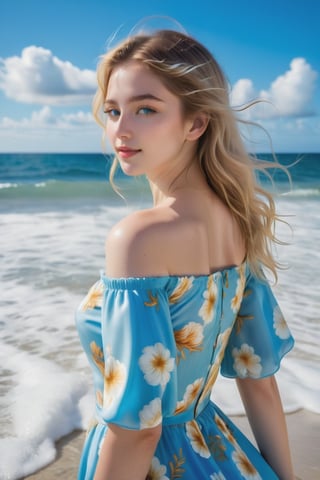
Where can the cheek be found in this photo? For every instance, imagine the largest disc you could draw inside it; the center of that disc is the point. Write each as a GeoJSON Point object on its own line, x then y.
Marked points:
{"type": "Point", "coordinates": [109, 130]}
{"type": "Point", "coordinates": [171, 127]}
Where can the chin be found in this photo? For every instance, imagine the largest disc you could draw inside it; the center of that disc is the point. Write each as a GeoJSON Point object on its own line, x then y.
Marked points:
{"type": "Point", "coordinates": [130, 171]}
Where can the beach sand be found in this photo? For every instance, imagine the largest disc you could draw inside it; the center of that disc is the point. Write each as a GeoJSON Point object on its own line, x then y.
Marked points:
{"type": "Point", "coordinates": [303, 428]}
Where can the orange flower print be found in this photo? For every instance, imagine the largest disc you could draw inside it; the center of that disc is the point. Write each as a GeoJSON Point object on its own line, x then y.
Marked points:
{"type": "Point", "coordinates": [196, 439]}
{"type": "Point", "coordinates": [185, 284]}
{"type": "Point", "coordinates": [190, 395]}
{"type": "Point", "coordinates": [224, 429]}
{"type": "Point", "coordinates": [115, 376]}
{"type": "Point", "coordinates": [207, 309]}
{"type": "Point", "coordinates": [157, 471]}
{"type": "Point", "coordinates": [97, 355]}
{"type": "Point", "coordinates": [151, 414]}
{"type": "Point", "coordinates": [156, 364]}
{"type": "Point", "coordinates": [279, 324]}
{"type": "Point", "coordinates": [212, 377]}
{"type": "Point", "coordinates": [246, 362]}
{"type": "Point", "coordinates": [222, 341]}
{"type": "Point", "coordinates": [189, 337]}
{"type": "Point", "coordinates": [241, 283]}
{"type": "Point", "coordinates": [94, 297]}
{"type": "Point", "coordinates": [153, 300]}
{"type": "Point", "coordinates": [244, 465]}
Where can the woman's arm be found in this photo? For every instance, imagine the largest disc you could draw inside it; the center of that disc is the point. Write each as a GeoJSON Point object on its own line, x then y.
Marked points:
{"type": "Point", "coordinates": [263, 406]}
{"type": "Point", "coordinates": [126, 454]}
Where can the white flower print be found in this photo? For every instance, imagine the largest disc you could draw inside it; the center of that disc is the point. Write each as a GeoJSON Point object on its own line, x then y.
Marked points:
{"type": "Point", "coordinates": [217, 476]}
{"type": "Point", "coordinates": [157, 471]}
{"type": "Point", "coordinates": [224, 428]}
{"type": "Point", "coordinates": [207, 309]}
{"type": "Point", "coordinates": [156, 364]}
{"type": "Point", "coordinates": [213, 374]}
{"type": "Point", "coordinates": [246, 362]}
{"type": "Point", "coordinates": [244, 466]}
{"type": "Point", "coordinates": [241, 283]}
{"type": "Point", "coordinates": [191, 393]}
{"type": "Point", "coordinates": [151, 414]}
{"type": "Point", "coordinates": [222, 341]}
{"type": "Point", "coordinates": [279, 324]}
{"type": "Point", "coordinates": [196, 439]}
{"type": "Point", "coordinates": [115, 376]}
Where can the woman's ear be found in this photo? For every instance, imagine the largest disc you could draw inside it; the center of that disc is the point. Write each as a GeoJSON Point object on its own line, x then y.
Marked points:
{"type": "Point", "coordinates": [199, 123]}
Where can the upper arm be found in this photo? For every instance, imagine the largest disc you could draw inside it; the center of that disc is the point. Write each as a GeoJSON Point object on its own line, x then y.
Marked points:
{"type": "Point", "coordinates": [262, 387]}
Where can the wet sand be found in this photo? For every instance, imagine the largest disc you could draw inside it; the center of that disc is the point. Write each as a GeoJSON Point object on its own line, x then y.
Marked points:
{"type": "Point", "coordinates": [304, 434]}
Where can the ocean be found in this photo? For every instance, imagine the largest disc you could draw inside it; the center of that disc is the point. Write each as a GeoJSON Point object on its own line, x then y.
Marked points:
{"type": "Point", "coordinates": [55, 211]}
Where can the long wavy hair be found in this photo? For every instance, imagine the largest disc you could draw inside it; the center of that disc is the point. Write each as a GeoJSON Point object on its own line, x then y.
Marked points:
{"type": "Point", "coordinates": [189, 71]}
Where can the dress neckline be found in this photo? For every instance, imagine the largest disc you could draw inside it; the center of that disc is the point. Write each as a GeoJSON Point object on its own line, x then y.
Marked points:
{"type": "Point", "coordinates": [161, 280]}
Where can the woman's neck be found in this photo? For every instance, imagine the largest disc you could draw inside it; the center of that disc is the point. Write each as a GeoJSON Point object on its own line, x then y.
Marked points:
{"type": "Point", "coordinates": [190, 177]}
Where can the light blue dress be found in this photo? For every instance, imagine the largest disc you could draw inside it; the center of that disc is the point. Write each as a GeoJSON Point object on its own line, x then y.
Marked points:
{"type": "Point", "coordinates": [156, 345]}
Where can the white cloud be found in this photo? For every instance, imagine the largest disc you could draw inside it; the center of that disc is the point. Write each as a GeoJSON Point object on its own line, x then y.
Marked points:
{"type": "Point", "coordinates": [242, 92]}
{"type": "Point", "coordinates": [38, 77]}
{"type": "Point", "coordinates": [45, 118]}
{"type": "Point", "coordinates": [46, 131]}
{"type": "Point", "coordinates": [289, 95]}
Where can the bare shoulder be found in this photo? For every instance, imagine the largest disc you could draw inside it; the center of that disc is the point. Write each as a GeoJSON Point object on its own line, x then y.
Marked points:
{"type": "Point", "coordinates": [136, 245]}
{"type": "Point", "coordinates": [191, 236]}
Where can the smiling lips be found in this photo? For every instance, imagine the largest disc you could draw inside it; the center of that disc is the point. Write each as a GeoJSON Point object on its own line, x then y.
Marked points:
{"type": "Point", "coordinates": [126, 152]}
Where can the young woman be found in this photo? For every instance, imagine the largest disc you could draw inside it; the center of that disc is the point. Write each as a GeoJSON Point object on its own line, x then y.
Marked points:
{"type": "Point", "coordinates": [183, 294]}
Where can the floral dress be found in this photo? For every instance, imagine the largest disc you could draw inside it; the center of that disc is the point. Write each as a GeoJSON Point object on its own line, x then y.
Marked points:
{"type": "Point", "coordinates": [156, 346]}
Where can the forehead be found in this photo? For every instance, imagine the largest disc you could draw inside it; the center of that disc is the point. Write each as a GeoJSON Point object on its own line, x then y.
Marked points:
{"type": "Point", "coordinates": [134, 78]}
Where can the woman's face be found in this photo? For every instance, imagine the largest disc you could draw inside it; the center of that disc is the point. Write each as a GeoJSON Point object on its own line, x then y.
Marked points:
{"type": "Point", "coordinates": [145, 125]}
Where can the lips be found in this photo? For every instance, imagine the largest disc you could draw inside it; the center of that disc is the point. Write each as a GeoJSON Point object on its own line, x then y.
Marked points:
{"type": "Point", "coordinates": [127, 152]}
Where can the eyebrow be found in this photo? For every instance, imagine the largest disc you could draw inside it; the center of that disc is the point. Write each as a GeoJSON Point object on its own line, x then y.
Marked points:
{"type": "Point", "coordinates": [135, 98]}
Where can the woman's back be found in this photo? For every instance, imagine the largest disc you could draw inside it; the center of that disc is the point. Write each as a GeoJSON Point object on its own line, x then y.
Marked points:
{"type": "Point", "coordinates": [192, 232]}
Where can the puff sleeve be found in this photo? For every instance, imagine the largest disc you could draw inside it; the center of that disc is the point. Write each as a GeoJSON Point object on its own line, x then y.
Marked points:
{"type": "Point", "coordinates": [139, 353]}
{"type": "Point", "coordinates": [260, 336]}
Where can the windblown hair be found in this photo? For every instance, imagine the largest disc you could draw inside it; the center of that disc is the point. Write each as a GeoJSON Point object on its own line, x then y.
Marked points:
{"type": "Point", "coordinates": [189, 71]}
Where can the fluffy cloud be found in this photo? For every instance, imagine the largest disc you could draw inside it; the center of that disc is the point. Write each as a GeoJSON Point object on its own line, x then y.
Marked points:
{"type": "Point", "coordinates": [289, 95]}
{"type": "Point", "coordinates": [45, 118]}
{"type": "Point", "coordinates": [37, 76]}
{"type": "Point", "coordinates": [45, 130]}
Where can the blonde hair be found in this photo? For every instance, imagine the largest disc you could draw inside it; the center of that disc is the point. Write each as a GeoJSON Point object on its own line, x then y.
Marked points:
{"type": "Point", "coordinates": [189, 71]}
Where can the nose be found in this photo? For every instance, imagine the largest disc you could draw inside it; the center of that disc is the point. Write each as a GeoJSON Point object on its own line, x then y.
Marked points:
{"type": "Point", "coordinates": [124, 126]}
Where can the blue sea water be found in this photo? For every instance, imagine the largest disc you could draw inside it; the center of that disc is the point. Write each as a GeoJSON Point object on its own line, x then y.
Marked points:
{"type": "Point", "coordinates": [55, 211]}
{"type": "Point", "coordinates": [53, 170]}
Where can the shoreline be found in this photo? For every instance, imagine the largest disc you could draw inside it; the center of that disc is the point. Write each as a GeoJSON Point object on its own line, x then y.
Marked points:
{"type": "Point", "coordinates": [304, 436]}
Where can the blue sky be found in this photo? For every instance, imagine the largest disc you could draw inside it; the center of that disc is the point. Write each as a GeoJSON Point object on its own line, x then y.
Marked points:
{"type": "Point", "coordinates": [49, 52]}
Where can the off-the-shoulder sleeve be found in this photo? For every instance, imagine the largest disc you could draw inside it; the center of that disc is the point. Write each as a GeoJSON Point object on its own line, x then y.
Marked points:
{"type": "Point", "coordinates": [139, 353]}
{"type": "Point", "coordinates": [260, 336]}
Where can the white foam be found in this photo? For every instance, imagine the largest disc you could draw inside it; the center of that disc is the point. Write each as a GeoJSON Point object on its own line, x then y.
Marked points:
{"type": "Point", "coordinates": [8, 185]}
{"type": "Point", "coordinates": [45, 403]}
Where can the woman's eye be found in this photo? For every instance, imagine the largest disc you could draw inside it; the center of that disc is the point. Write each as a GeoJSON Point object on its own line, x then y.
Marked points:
{"type": "Point", "coordinates": [145, 111]}
{"type": "Point", "coordinates": [112, 112]}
